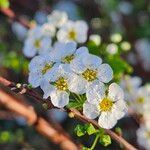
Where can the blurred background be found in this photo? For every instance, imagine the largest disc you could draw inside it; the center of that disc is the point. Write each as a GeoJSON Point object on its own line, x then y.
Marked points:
{"type": "Point", "coordinates": [128, 20]}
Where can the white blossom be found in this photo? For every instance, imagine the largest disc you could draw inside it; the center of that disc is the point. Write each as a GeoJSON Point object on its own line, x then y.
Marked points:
{"type": "Point", "coordinates": [36, 43]}
{"type": "Point", "coordinates": [116, 37]}
{"type": "Point", "coordinates": [67, 52]}
{"type": "Point", "coordinates": [57, 18]}
{"type": "Point", "coordinates": [90, 69]}
{"type": "Point", "coordinates": [19, 30]}
{"type": "Point", "coordinates": [143, 49]}
{"type": "Point", "coordinates": [143, 137]}
{"type": "Point", "coordinates": [109, 104]}
{"type": "Point", "coordinates": [58, 88]}
{"type": "Point", "coordinates": [112, 48]}
{"type": "Point", "coordinates": [73, 31]}
{"type": "Point", "coordinates": [39, 67]}
{"type": "Point", "coordinates": [48, 30]}
{"type": "Point", "coordinates": [95, 38]}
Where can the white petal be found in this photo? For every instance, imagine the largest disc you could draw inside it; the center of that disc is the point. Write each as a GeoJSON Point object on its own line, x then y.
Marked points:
{"type": "Point", "coordinates": [35, 79]}
{"type": "Point", "coordinates": [82, 50]}
{"type": "Point", "coordinates": [105, 73]}
{"type": "Point", "coordinates": [95, 92]}
{"type": "Point", "coordinates": [59, 98]}
{"type": "Point", "coordinates": [28, 49]}
{"type": "Point", "coordinates": [81, 27]}
{"type": "Point", "coordinates": [47, 88]}
{"type": "Point", "coordinates": [70, 47]}
{"type": "Point", "coordinates": [90, 111]}
{"type": "Point", "coordinates": [76, 84]}
{"type": "Point", "coordinates": [77, 65]}
{"type": "Point", "coordinates": [36, 63]}
{"type": "Point", "coordinates": [45, 45]}
{"type": "Point", "coordinates": [107, 120]}
{"type": "Point", "coordinates": [81, 37]}
{"type": "Point", "coordinates": [115, 92]}
{"type": "Point", "coordinates": [119, 109]}
{"type": "Point", "coordinates": [92, 61]}
{"type": "Point", "coordinates": [62, 35]}
{"type": "Point", "coordinates": [52, 74]}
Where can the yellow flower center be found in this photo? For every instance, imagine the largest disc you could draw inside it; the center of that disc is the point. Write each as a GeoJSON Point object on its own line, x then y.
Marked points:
{"type": "Point", "coordinates": [46, 68]}
{"type": "Point", "coordinates": [72, 35]}
{"type": "Point", "coordinates": [89, 74]}
{"type": "Point", "coordinates": [148, 134]}
{"type": "Point", "coordinates": [68, 59]}
{"type": "Point", "coordinates": [37, 43]}
{"type": "Point", "coordinates": [140, 100]}
{"type": "Point", "coordinates": [106, 104]}
{"type": "Point", "coordinates": [61, 84]}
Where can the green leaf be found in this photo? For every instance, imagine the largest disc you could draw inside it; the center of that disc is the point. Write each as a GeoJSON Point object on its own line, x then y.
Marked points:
{"type": "Point", "coordinates": [80, 130]}
{"type": "Point", "coordinates": [118, 130]}
{"type": "Point", "coordinates": [105, 140]}
{"type": "Point", "coordinates": [85, 148]}
{"type": "Point", "coordinates": [93, 48]}
{"type": "Point", "coordinates": [90, 129]}
{"type": "Point", "coordinates": [101, 131]}
{"type": "Point", "coordinates": [119, 66]}
{"type": "Point", "coordinates": [4, 3]}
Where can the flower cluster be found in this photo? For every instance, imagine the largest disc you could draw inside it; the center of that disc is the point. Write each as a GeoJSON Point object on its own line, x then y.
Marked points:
{"type": "Point", "coordinates": [65, 72]}
{"type": "Point", "coordinates": [138, 99]}
{"type": "Point", "coordinates": [39, 38]}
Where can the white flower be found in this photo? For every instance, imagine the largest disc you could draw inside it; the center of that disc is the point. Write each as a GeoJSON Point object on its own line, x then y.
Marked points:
{"type": "Point", "coordinates": [143, 137]}
{"type": "Point", "coordinates": [108, 105]}
{"type": "Point", "coordinates": [95, 38]}
{"type": "Point", "coordinates": [39, 67]}
{"type": "Point", "coordinates": [112, 48]}
{"type": "Point", "coordinates": [67, 52]}
{"type": "Point", "coordinates": [19, 30]}
{"type": "Point", "coordinates": [73, 31]}
{"type": "Point", "coordinates": [143, 49]}
{"type": "Point", "coordinates": [57, 18]}
{"type": "Point", "coordinates": [90, 69]}
{"type": "Point", "coordinates": [141, 100]}
{"type": "Point", "coordinates": [58, 88]}
{"type": "Point", "coordinates": [48, 29]}
{"type": "Point", "coordinates": [130, 85]}
{"type": "Point", "coordinates": [36, 43]}
{"type": "Point", "coordinates": [125, 46]}
{"type": "Point", "coordinates": [116, 37]}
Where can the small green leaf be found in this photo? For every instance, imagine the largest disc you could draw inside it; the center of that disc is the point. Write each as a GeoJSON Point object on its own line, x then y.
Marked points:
{"type": "Point", "coordinates": [118, 130]}
{"type": "Point", "coordinates": [90, 129]}
{"type": "Point", "coordinates": [105, 140]}
{"type": "Point", "coordinates": [4, 3]}
{"type": "Point", "coordinates": [85, 148]}
{"type": "Point", "coordinates": [101, 131]}
{"type": "Point", "coordinates": [80, 130]}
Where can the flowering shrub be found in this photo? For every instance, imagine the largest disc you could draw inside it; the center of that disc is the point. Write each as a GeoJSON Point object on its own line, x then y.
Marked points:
{"type": "Point", "coordinates": [82, 73]}
{"type": "Point", "coordinates": [69, 75]}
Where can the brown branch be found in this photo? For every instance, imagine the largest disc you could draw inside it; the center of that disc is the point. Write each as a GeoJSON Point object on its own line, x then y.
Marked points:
{"type": "Point", "coordinates": [12, 16]}
{"type": "Point", "coordinates": [76, 114]}
{"type": "Point", "coordinates": [41, 125]}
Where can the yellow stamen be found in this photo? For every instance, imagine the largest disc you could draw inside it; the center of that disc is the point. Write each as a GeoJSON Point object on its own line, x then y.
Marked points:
{"type": "Point", "coordinates": [140, 100]}
{"type": "Point", "coordinates": [89, 74]}
{"type": "Point", "coordinates": [72, 35]}
{"type": "Point", "coordinates": [106, 104]}
{"type": "Point", "coordinates": [68, 59]}
{"type": "Point", "coordinates": [37, 43]}
{"type": "Point", "coordinates": [61, 84]}
{"type": "Point", "coordinates": [148, 134]}
{"type": "Point", "coordinates": [46, 68]}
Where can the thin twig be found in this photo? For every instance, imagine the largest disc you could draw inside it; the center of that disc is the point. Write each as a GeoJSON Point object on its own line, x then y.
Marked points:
{"type": "Point", "coordinates": [40, 124]}
{"type": "Point", "coordinates": [77, 115]}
